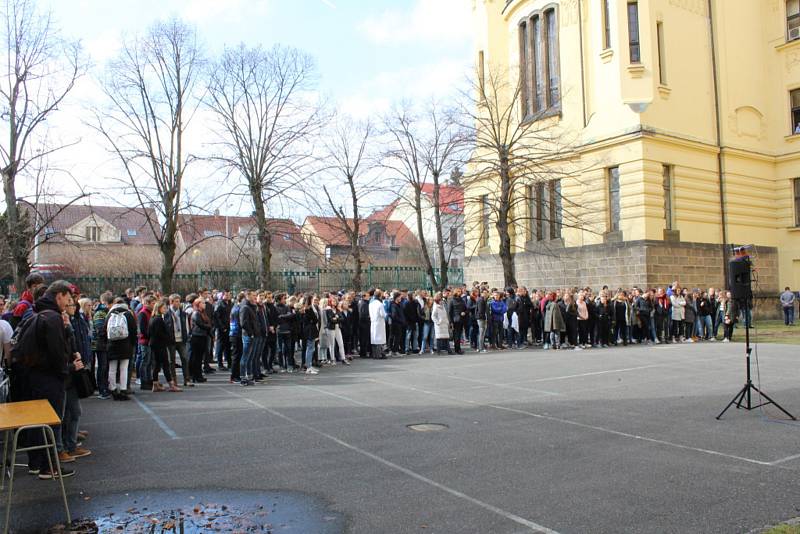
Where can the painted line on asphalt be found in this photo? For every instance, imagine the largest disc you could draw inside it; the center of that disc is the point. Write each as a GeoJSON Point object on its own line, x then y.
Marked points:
{"type": "Point", "coordinates": [581, 425]}
{"type": "Point", "coordinates": [348, 399]}
{"type": "Point", "coordinates": [486, 506]}
{"type": "Point", "coordinates": [784, 460]}
{"type": "Point", "coordinates": [160, 422]}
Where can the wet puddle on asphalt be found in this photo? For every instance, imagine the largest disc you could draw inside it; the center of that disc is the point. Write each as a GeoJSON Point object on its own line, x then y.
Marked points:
{"type": "Point", "coordinates": [194, 512]}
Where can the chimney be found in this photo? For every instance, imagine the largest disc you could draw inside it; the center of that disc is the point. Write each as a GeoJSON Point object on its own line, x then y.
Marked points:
{"type": "Point", "coordinates": [216, 212]}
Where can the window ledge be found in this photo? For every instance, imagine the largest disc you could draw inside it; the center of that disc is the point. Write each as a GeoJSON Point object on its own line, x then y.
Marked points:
{"type": "Point", "coordinates": [636, 70]}
{"type": "Point", "coordinates": [607, 54]}
{"type": "Point", "coordinates": [792, 138]}
{"type": "Point", "coordinates": [664, 91]}
{"type": "Point", "coordinates": [484, 250]}
{"type": "Point", "coordinates": [542, 115]}
{"type": "Point", "coordinates": [788, 45]}
{"type": "Point", "coordinates": [793, 229]}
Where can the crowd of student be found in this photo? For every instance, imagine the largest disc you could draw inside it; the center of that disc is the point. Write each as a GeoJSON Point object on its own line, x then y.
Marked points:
{"type": "Point", "coordinates": [135, 338]}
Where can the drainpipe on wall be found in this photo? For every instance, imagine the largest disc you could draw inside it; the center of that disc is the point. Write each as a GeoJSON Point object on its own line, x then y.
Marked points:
{"type": "Point", "coordinates": [720, 158]}
{"type": "Point", "coordinates": [583, 65]}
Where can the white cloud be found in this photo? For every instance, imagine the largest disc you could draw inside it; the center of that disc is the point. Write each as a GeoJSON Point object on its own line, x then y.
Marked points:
{"type": "Point", "coordinates": [429, 21]}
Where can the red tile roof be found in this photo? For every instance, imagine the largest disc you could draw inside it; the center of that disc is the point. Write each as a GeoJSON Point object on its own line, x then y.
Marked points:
{"type": "Point", "coordinates": [127, 220]}
{"type": "Point", "coordinates": [451, 198]}
{"type": "Point", "coordinates": [194, 227]}
{"type": "Point", "coordinates": [330, 231]}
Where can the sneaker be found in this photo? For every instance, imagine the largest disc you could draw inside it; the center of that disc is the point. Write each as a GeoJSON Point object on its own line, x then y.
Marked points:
{"type": "Point", "coordinates": [578, 348]}
{"type": "Point", "coordinates": [104, 396]}
{"type": "Point", "coordinates": [483, 351]}
{"type": "Point", "coordinates": [46, 474]}
{"type": "Point", "coordinates": [33, 471]}
{"type": "Point", "coordinates": [690, 340]}
{"type": "Point", "coordinates": [64, 457]}
{"type": "Point", "coordinates": [313, 371]}
{"type": "Point", "coordinates": [345, 362]}
{"type": "Point", "coordinates": [726, 340]}
{"type": "Point", "coordinates": [282, 371]}
{"type": "Point", "coordinates": [309, 372]}
{"type": "Point", "coordinates": [712, 339]}
{"type": "Point", "coordinates": [80, 452]}
{"type": "Point", "coordinates": [138, 382]}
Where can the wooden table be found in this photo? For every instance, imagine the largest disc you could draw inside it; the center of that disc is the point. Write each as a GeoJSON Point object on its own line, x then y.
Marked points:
{"type": "Point", "coordinates": [16, 417]}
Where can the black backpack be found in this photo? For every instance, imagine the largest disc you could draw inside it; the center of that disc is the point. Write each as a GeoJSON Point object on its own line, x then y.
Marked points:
{"type": "Point", "coordinates": [25, 342]}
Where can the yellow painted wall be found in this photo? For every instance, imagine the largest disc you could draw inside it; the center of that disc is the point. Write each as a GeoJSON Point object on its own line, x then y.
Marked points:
{"type": "Point", "coordinates": [756, 70]}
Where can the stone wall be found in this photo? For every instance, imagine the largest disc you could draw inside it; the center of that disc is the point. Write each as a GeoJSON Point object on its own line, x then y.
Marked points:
{"type": "Point", "coordinates": [623, 264]}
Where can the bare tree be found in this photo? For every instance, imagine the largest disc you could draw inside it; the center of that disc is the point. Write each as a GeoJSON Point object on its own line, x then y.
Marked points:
{"type": "Point", "coordinates": [423, 147]}
{"type": "Point", "coordinates": [347, 166]}
{"type": "Point", "coordinates": [515, 171]}
{"type": "Point", "coordinates": [39, 71]}
{"type": "Point", "coordinates": [152, 92]}
{"type": "Point", "coordinates": [266, 118]}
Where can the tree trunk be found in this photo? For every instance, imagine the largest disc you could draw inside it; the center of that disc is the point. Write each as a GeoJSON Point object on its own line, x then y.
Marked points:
{"type": "Point", "coordinates": [16, 234]}
{"type": "Point", "coordinates": [425, 256]}
{"type": "Point", "coordinates": [437, 219]}
{"type": "Point", "coordinates": [167, 264]}
{"type": "Point", "coordinates": [354, 244]}
{"type": "Point", "coordinates": [503, 231]}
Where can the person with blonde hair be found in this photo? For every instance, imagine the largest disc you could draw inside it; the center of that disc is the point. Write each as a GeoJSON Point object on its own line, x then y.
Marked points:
{"type": "Point", "coordinates": [441, 325]}
{"type": "Point", "coordinates": [160, 339]}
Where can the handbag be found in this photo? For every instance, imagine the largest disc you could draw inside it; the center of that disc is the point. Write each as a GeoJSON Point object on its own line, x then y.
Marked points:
{"type": "Point", "coordinates": [84, 383]}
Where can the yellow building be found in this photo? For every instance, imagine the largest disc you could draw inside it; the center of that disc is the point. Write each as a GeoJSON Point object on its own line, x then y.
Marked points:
{"type": "Point", "coordinates": [685, 120]}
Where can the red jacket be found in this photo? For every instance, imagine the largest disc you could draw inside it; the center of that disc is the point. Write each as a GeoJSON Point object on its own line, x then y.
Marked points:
{"type": "Point", "coordinates": [143, 322]}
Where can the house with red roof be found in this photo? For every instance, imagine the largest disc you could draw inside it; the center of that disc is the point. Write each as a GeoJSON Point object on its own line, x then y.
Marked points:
{"type": "Point", "coordinates": [90, 239]}
{"type": "Point", "coordinates": [383, 242]}
{"type": "Point", "coordinates": [231, 242]}
{"type": "Point", "coordinates": [450, 206]}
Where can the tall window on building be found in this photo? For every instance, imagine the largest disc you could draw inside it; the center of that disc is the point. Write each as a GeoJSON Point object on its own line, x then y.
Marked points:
{"type": "Point", "coordinates": [539, 204]}
{"type": "Point", "coordinates": [484, 239]}
{"type": "Point", "coordinates": [524, 69]}
{"type": "Point", "coordinates": [792, 20]}
{"type": "Point", "coordinates": [606, 15]}
{"type": "Point", "coordinates": [530, 207]}
{"type": "Point", "coordinates": [795, 99]}
{"type": "Point", "coordinates": [93, 233]}
{"type": "Point", "coordinates": [553, 93]}
{"type": "Point", "coordinates": [555, 209]}
{"type": "Point", "coordinates": [613, 199]}
{"type": "Point", "coordinates": [662, 63]}
{"type": "Point", "coordinates": [669, 216]}
{"type": "Point", "coordinates": [633, 32]}
{"type": "Point", "coordinates": [482, 75]}
{"type": "Point", "coordinates": [453, 241]}
{"type": "Point", "coordinates": [538, 64]}
{"type": "Point", "coordinates": [796, 183]}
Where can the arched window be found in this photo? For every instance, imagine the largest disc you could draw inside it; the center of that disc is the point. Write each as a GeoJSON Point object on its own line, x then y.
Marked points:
{"type": "Point", "coordinates": [540, 87]}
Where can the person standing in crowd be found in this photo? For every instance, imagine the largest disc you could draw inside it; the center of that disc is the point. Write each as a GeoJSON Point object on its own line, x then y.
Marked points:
{"type": "Point", "coordinates": [47, 372]}
{"type": "Point", "coordinates": [553, 322]}
{"type": "Point", "coordinates": [457, 314]}
{"type": "Point", "coordinates": [426, 341]}
{"type": "Point", "coordinates": [583, 322]}
{"type": "Point", "coordinates": [364, 325]}
{"type": "Point", "coordinates": [101, 345]}
{"type": "Point", "coordinates": [411, 311]}
{"type": "Point", "coordinates": [524, 307]}
{"type": "Point", "coordinates": [177, 323]}
{"type": "Point", "coordinates": [689, 317]}
{"type": "Point", "coordinates": [705, 311]}
{"type": "Point", "coordinates": [201, 332]}
{"type": "Point", "coordinates": [728, 309]}
{"type": "Point", "coordinates": [661, 315]}
{"type": "Point", "coordinates": [249, 326]}
{"type": "Point", "coordinates": [285, 317]}
{"type": "Point", "coordinates": [310, 328]}
{"type": "Point", "coordinates": [270, 349]}
{"type": "Point", "coordinates": [497, 310]}
{"type": "Point", "coordinates": [161, 341]}
{"type": "Point", "coordinates": [377, 317]}
{"type": "Point", "coordinates": [787, 304]}
{"type": "Point", "coordinates": [68, 449]}
{"type": "Point", "coordinates": [120, 328]}
{"type": "Point", "coordinates": [222, 325]}
{"type": "Point", "coordinates": [482, 318]}
{"type": "Point", "coordinates": [441, 324]}
{"type": "Point", "coordinates": [621, 307]}
{"type": "Point", "coordinates": [678, 305]}
{"type": "Point", "coordinates": [24, 307]}
{"type": "Point", "coordinates": [144, 369]}
{"type": "Point", "coordinates": [604, 311]}
{"type": "Point", "coordinates": [397, 324]}
{"type": "Point", "coordinates": [235, 339]}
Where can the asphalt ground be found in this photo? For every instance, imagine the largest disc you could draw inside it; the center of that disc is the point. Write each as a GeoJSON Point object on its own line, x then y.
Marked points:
{"type": "Point", "coordinates": [602, 440]}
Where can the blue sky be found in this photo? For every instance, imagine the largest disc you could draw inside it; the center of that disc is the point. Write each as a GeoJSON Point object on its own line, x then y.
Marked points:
{"type": "Point", "coordinates": [370, 53]}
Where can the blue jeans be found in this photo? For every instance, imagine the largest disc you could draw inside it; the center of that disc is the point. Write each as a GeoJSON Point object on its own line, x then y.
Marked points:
{"type": "Point", "coordinates": [706, 326]}
{"type": "Point", "coordinates": [102, 372]}
{"type": "Point", "coordinates": [69, 423]}
{"type": "Point", "coordinates": [427, 327]}
{"type": "Point", "coordinates": [718, 320]}
{"type": "Point", "coordinates": [245, 369]}
{"type": "Point", "coordinates": [652, 324]}
{"type": "Point", "coordinates": [788, 315]}
{"type": "Point", "coordinates": [309, 355]}
{"type": "Point", "coordinates": [412, 343]}
{"type": "Point", "coordinates": [145, 369]}
{"type": "Point", "coordinates": [286, 350]}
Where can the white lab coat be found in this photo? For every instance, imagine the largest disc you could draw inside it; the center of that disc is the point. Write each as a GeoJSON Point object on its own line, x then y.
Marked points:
{"type": "Point", "coordinates": [441, 322]}
{"type": "Point", "coordinates": [377, 323]}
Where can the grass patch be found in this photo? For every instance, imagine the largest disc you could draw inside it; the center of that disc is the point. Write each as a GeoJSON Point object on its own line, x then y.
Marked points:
{"type": "Point", "coordinates": [770, 332]}
{"type": "Point", "coordinates": [783, 529]}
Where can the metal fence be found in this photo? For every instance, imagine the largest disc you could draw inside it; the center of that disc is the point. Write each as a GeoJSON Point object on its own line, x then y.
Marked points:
{"type": "Point", "coordinates": [316, 280]}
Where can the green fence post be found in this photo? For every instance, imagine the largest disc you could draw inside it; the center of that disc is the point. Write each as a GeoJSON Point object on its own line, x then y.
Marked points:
{"type": "Point", "coordinates": [318, 280]}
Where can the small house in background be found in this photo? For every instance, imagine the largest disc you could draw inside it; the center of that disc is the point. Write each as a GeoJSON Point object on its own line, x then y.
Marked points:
{"type": "Point", "coordinates": [231, 243]}
{"type": "Point", "coordinates": [88, 239]}
{"type": "Point", "coordinates": [382, 242]}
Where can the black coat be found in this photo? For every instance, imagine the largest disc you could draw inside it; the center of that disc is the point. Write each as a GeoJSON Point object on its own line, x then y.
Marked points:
{"type": "Point", "coordinates": [411, 310]}
{"type": "Point", "coordinates": [285, 318]}
{"type": "Point", "coordinates": [160, 336]}
{"type": "Point", "coordinates": [396, 313]}
{"type": "Point", "coordinates": [363, 312]}
{"type": "Point", "coordinates": [122, 349]}
{"type": "Point", "coordinates": [55, 351]}
{"type": "Point", "coordinates": [222, 316]}
{"type": "Point", "coordinates": [310, 323]}
{"type": "Point", "coordinates": [481, 309]}
{"type": "Point", "coordinates": [456, 308]}
{"type": "Point", "coordinates": [248, 320]}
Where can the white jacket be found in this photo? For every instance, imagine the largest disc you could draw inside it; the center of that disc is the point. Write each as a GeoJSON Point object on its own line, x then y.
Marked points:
{"type": "Point", "coordinates": [441, 321]}
{"type": "Point", "coordinates": [377, 323]}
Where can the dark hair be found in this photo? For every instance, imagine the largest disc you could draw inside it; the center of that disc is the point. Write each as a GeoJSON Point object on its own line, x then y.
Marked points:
{"type": "Point", "coordinates": [106, 297]}
{"type": "Point", "coordinates": [59, 287]}
{"type": "Point", "coordinates": [39, 293]}
{"type": "Point", "coordinates": [36, 278]}
{"type": "Point", "coordinates": [119, 300]}
{"type": "Point", "coordinates": [787, 288]}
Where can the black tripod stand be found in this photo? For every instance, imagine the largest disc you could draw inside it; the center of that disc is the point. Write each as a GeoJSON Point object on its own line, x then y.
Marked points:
{"type": "Point", "coordinates": [744, 399]}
